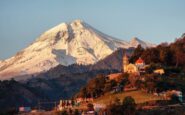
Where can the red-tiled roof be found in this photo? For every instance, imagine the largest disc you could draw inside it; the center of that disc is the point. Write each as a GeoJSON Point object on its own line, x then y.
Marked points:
{"type": "Point", "coordinates": [139, 61]}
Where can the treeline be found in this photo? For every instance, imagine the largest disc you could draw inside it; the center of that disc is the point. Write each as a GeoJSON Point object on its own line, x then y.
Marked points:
{"type": "Point", "coordinates": [165, 54]}
{"type": "Point", "coordinates": [14, 94]}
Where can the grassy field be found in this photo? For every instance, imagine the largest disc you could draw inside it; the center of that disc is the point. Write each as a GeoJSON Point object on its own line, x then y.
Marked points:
{"type": "Point", "coordinates": [139, 96]}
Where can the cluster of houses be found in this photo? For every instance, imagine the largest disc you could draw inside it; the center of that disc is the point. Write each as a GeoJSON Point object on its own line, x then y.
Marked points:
{"type": "Point", "coordinates": [169, 93]}
{"type": "Point", "coordinates": [66, 104]}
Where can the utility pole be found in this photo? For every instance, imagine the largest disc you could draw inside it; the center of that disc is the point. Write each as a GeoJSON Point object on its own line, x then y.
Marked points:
{"type": "Point", "coordinates": [55, 105]}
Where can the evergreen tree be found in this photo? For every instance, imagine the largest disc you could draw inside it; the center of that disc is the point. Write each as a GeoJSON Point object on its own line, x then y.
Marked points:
{"type": "Point", "coordinates": [136, 54]}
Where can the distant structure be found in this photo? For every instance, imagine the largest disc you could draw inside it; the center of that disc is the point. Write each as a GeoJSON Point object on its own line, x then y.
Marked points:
{"type": "Point", "coordinates": [140, 65]}
{"type": "Point", "coordinates": [130, 68]}
{"type": "Point", "coordinates": [137, 68]}
{"type": "Point", "coordinates": [125, 63]}
{"type": "Point", "coordinates": [159, 71]}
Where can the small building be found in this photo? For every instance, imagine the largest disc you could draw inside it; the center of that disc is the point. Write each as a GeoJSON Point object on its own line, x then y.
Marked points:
{"type": "Point", "coordinates": [65, 104]}
{"type": "Point", "coordinates": [117, 89]}
{"type": "Point", "coordinates": [24, 109]}
{"type": "Point", "coordinates": [140, 65]}
{"type": "Point", "coordinates": [140, 62]}
{"type": "Point", "coordinates": [98, 106]}
{"type": "Point", "coordinates": [131, 68]}
{"type": "Point", "coordinates": [79, 99]}
{"type": "Point", "coordinates": [178, 94]}
{"type": "Point", "coordinates": [114, 76]}
{"type": "Point", "coordinates": [159, 71]}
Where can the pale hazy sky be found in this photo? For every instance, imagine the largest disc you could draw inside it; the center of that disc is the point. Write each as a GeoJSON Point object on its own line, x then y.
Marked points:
{"type": "Point", "coordinates": [22, 21]}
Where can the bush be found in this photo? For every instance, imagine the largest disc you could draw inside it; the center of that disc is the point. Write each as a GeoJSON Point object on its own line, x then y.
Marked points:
{"type": "Point", "coordinates": [114, 109]}
{"type": "Point", "coordinates": [128, 107]}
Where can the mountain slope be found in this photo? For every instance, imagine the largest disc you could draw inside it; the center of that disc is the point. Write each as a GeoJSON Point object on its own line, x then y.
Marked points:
{"type": "Point", "coordinates": [65, 44]}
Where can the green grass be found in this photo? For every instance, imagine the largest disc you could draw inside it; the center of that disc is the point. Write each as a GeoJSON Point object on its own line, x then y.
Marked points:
{"type": "Point", "coordinates": [139, 96]}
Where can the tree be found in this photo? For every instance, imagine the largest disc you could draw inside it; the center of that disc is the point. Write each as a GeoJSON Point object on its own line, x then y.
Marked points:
{"type": "Point", "coordinates": [178, 48]}
{"type": "Point", "coordinates": [139, 84]}
{"type": "Point", "coordinates": [84, 92]}
{"type": "Point", "coordinates": [129, 106]}
{"type": "Point", "coordinates": [165, 55]}
{"type": "Point", "coordinates": [150, 86]}
{"type": "Point", "coordinates": [124, 82]}
{"type": "Point", "coordinates": [90, 107]}
{"type": "Point", "coordinates": [95, 86]}
{"type": "Point", "coordinates": [76, 112]}
{"type": "Point", "coordinates": [137, 53]}
{"type": "Point", "coordinates": [151, 55]}
{"type": "Point", "coordinates": [114, 109]}
{"type": "Point", "coordinates": [180, 58]}
{"type": "Point", "coordinates": [109, 85]}
{"type": "Point", "coordinates": [132, 79]}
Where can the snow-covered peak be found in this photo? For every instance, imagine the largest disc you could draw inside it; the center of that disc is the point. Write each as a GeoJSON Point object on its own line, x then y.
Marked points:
{"type": "Point", "coordinates": [78, 24]}
{"type": "Point", "coordinates": [136, 41]}
{"type": "Point", "coordinates": [65, 44]}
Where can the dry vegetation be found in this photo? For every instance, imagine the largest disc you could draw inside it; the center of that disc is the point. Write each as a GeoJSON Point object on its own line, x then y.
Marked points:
{"type": "Point", "coordinates": [139, 97]}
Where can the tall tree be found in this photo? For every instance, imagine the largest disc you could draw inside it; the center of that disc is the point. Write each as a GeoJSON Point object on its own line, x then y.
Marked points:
{"type": "Point", "coordinates": [137, 53]}
{"type": "Point", "coordinates": [151, 55]}
{"type": "Point", "coordinates": [129, 106]}
{"type": "Point", "coordinates": [165, 55]}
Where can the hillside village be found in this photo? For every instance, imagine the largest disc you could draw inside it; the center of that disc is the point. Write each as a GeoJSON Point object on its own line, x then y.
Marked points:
{"type": "Point", "coordinates": [159, 83]}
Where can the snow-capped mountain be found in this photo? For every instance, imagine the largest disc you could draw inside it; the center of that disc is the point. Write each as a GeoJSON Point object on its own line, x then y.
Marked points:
{"type": "Point", "coordinates": [65, 44]}
{"type": "Point", "coordinates": [135, 42]}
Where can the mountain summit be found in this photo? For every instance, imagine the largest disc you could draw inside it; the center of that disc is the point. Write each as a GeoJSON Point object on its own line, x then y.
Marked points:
{"type": "Point", "coordinates": [135, 42]}
{"type": "Point", "coordinates": [65, 44]}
